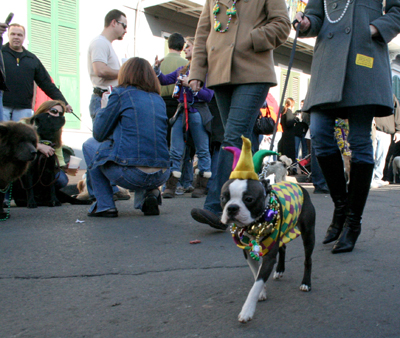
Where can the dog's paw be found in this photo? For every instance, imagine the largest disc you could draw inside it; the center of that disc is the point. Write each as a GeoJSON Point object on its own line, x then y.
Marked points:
{"type": "Point", "coordinates": [305, 288]}
{"type": "Point", "coordinates": [32, 205]}
{"type": "Point", "coordinates": [278, 275]}
{"type": "Point", "coordinates": [57, 203]}
{"type": "Point", "coordinates": [263, 295]}
{"type": "Point", "coordinates": [244, 318]}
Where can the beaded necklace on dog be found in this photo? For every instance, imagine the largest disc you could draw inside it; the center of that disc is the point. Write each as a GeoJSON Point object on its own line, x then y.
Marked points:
{"type": "Point", "coordinates": [250, 237]}
{"type": "Point", "coordinates": [229, 12]}
{"type": "Point", "coordinates": [277, 223]}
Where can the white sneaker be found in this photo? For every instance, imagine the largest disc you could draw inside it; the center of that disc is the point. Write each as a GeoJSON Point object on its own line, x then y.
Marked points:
{"type": "Point", "coordinates": [179, 190]}
{"type": "Point", "coordinates": [383, 183]}
{"type": "Point", "coordinates": [375, 184]}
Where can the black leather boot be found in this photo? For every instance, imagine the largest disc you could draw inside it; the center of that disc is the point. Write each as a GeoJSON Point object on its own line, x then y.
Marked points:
{"type": "Point", "coordinates": [360, 182]}
{"type": "Point", "coordinates": [333, 169]}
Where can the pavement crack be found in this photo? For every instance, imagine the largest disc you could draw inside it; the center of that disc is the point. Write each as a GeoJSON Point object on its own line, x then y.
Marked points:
{"type": "Point", "coordinates": [119, 273]}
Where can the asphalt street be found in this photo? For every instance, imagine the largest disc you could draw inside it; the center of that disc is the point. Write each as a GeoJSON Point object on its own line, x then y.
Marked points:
{"type": "Point", "coordinates": [137, 276]}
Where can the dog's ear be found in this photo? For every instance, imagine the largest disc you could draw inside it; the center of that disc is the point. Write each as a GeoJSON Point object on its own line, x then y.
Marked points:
{"type": "Point", "coordinates": [267, 185]}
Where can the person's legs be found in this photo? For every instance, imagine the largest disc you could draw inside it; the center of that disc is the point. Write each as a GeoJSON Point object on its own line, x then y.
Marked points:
{"type": "Point", "coordinates": [94, 105]}
{"type": "Point", "coordinates": [304, 148]}
{"type": "Point", "coordinates": [97, 183]}
{"type": "Point", "coordinates": [176, 153]}
{"type": "Point", "coordinates": [324, 145]}
{"type": "Point", "coordinates": [201, 142]}
{"type": "Point", "coordinates": [239, 107]}
{"type": "Point", "coordinates": [187, 168]}
{"type": "Point", "coordinates": [361, 169]}
{"type": "Point", "coordinates": [382, 147]}
{"type": "Point", "coordinates": [7, 113]}
{"type": "Point", "coordinates": [18, 114]}
{"type": "Point", "coordinates": [297, 146]}
{"type": "Point", "coordinates": [145, 185]}
{"type": "Point", "coordinates": [62, 179]}
{"type": "Point", "coordinates": [317, 177]}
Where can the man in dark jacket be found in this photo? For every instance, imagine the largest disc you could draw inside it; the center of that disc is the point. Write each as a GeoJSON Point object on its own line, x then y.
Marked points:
{"type": "Point", "coordinates": [23, 68]}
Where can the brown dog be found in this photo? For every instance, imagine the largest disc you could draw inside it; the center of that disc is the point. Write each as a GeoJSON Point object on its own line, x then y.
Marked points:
{"type": "Point", "coordinates": [18, 143]}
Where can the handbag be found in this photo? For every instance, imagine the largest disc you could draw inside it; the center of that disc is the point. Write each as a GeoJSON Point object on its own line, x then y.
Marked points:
{"type": "Point", "coordinates": [264, 124]}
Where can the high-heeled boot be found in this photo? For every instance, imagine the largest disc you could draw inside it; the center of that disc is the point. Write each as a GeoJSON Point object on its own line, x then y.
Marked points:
{"type": "Point", "coordinates": [333, 169]}
{"type": "Point", "coordinates": [360, 181]}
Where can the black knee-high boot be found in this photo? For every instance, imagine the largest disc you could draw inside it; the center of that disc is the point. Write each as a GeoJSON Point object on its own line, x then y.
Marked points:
{"type": "Point", "coordinates": [360, 182]}
{"type": "Point", "coordinates": [333, 170]}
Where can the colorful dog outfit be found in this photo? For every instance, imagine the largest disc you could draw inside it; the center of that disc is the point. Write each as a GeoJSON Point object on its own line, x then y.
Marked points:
{"type": "Point", "coordinates": [279, 218]}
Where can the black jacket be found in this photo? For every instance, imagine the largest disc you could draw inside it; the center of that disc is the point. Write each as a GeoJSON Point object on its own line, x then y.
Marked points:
{"type": "Point", "coordinates": [21, 72]}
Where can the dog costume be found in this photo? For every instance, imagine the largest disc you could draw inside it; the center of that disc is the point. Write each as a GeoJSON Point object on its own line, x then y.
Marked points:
{"type": "Point", "coordinates": [280, 216]}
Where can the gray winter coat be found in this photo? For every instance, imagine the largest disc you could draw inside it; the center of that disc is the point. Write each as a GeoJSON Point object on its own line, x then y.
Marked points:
{"type": "Point", "coordinates": [350, 68]}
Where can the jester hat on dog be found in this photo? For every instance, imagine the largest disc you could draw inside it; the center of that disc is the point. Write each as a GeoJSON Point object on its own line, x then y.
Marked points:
{"type": "Point", "coordinates": [244, 165]}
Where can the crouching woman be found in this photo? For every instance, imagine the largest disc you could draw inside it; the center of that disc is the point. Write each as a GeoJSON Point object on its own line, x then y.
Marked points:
{"type": "Point", "coordinates": [129, 147]}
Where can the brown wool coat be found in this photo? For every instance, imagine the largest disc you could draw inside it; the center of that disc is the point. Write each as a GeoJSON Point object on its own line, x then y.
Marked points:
{"type": "Point", "coordinates": [243, 54]}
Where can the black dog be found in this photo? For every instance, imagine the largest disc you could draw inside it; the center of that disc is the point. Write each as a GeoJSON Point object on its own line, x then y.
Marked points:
{"type": "Point", "coordinates": [17, 148]}
{"type": "Point", "coordinates": [37, 185]}
{"type": "Point", "coordinates": [256, 209]}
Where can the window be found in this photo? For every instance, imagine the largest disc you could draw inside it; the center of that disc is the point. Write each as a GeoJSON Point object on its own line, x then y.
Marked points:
{"type": "Point", "coordinates": [53, 38]}
{"type": "Point", "coordinates": [292, 89]}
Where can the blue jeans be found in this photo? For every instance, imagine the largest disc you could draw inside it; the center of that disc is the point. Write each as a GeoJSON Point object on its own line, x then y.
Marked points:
{"type": "Point", "coordinates": [239, 106]}
{"type": "Point", "coordinates": [300, 141]}
{"type": "Point", "coordinates": [62, 179]}
{"type": "Point", "coordinates": [200, 139]}
{"type": "Point", "coordinates": [128, 177]}
{"type": "Point", "coordinates": [94, 105]}
{"type": "Point", "coordinates": [317, 176]}
{"type": "Point", "coordinates": [360, 126]}
{"type": "Point", "coordinates": [186, 179]}
{"type": "Point", "coordinates": [14, 114]}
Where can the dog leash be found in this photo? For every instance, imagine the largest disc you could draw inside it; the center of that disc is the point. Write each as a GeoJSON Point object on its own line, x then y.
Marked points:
{"type": "Point", "coordinates": [72, 112]}
{"type": "Point", "coordinates": [278, 118]}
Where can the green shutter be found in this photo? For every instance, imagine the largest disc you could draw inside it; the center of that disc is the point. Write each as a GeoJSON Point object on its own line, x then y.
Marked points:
{"type": "Point", "coordinates": [53, 38]}
{"type": "Point", "coordinates": [293, 87]}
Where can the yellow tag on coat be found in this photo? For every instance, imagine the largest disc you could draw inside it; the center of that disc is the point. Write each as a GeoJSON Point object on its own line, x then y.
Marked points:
{"type": "Point", "coordinates": [364, 61]}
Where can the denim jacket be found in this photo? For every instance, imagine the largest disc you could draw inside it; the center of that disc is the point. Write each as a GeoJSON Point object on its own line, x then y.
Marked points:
{"type": "Point", "coordinates": [132, 130]}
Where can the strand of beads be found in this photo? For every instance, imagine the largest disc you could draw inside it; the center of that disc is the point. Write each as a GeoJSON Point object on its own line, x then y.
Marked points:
{"type": "Point", "coordinates": [230, 12]}
{"type": "Point", "coordinates": [9, 203]}
{"type": "Point", "coordinates": [340, 17]}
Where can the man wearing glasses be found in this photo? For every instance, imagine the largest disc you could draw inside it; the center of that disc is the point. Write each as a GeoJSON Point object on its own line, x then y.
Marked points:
{"type": "Point", "coordinates": [103, 63]}
{"type": "Point", "coordinates": [103, 66]}
{"type": "Point", "coordinates": [23, 68]}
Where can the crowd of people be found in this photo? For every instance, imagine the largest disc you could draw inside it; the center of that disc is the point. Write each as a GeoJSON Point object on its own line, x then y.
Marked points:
{"type": "Point", "coordinates": [153, 125]}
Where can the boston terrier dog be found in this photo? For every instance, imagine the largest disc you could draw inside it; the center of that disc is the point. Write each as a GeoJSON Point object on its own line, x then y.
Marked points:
{"type": "Point", "coordinates": [260, 214]}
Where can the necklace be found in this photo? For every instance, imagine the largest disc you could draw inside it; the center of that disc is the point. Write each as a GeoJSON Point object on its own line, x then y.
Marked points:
{"type": "Point", "coordinates": [340, 17]}
{"type": "Point", "coordinates": [229, 12]}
